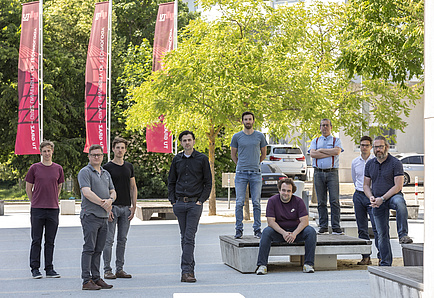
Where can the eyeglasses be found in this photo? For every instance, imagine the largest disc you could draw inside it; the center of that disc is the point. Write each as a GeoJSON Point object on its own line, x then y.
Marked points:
{"type": "Point", "coordinates": [379, 147]}
{"type": "Point", "coordinates": [96, 155]}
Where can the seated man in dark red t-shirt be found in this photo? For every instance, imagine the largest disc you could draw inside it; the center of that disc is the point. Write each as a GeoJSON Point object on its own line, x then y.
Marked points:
{"type": "Point", "coordinates": [288, 220]}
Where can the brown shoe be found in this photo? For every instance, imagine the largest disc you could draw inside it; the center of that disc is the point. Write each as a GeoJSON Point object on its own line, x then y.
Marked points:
{"type": "Point", "coordinates": [109, 275]}
{"type": "Point", "coordinates": [188, 277]}
{"type": "Point", "coordinates": [103, 284]}
{"type": "Point", "coordinates": [90, 285]}
{"type": "Point", "coordinates": [123, 274]}
{"type": "Point", "coordinates": [365, 261]}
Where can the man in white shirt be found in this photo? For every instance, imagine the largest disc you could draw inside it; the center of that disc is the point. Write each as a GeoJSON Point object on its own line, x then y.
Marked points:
{"type": "Point", "coordinates": [361, 202]}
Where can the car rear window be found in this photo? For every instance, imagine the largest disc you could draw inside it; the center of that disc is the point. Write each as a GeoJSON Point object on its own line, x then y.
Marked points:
{"type": "Point", "coordinates": [265, 168]}
{"type": "Point", "coordinates": [287, 150]}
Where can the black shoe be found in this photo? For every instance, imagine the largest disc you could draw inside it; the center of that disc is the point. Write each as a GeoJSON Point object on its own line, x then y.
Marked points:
{"type": "Point", "coordinates": [405, 240]}
{"type": "Point", "coordinates": [323, 231]}
{"type": "Point", "coordinates": [52, 274]}
{"type": "Point", "coordinates": [337, 231]}
{"type": "Point", "coordinates": [36, 274]}
{"type": "Point", "coordinates": [257, 234]}
{"type": "Point", "coordinates": [238, 234]}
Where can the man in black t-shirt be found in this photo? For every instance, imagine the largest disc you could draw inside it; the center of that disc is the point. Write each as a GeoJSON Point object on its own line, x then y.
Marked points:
{"type": "Point", "coordinates": [122, 173]}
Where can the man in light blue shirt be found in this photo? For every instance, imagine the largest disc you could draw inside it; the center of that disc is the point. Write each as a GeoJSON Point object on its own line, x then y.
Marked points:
{"type": "Point", "coordinates": [362, 205]}
{"type": "Point", "coordinates": [325, 151]}
{"type": "Point", "coordinates": [248, 149]}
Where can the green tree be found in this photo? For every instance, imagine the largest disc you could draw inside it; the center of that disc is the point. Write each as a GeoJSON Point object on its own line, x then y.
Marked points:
{"type": "Point", "coordinates": [279, 64]}
{"type": "Point", "coordinates": [384, 39]}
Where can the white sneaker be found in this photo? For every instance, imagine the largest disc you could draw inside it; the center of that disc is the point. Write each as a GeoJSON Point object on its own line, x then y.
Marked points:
{"type": "Point", "coordinates": [308, 269]}
{"type": "Point", "coordinates": [262, 270]}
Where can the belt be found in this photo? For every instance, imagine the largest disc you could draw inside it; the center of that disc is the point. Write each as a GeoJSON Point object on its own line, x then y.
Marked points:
{"type": "Point", "coordinates": [187, 199]}
{"type": "Point", "coordinates": [326, 170]}
{"type": "Point", "coordinates": [359, 191]}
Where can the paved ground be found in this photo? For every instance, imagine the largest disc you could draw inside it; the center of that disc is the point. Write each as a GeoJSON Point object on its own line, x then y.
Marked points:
{"type": "Point", "coordinates": [153, 257]}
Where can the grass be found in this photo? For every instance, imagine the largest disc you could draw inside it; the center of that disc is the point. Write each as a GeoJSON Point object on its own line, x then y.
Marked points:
{"type": "Point", "coordinates": [13, 193]}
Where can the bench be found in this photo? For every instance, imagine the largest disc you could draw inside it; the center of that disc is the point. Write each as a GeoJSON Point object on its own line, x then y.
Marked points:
{"type": "Point", "coordinates": [145, 210]}
{"type": "Point", "coordinates": [242, 254]}
{"type": "Point", "coordinates": [412, 209]}
{"type": "Point", "coordinates": [349, 226]}
{"type": "Point", "coordinates": [392, 282]}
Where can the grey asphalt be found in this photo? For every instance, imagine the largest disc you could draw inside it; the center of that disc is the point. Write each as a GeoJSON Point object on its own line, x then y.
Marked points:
{"type": "Point", "coordinates": [153, 258]}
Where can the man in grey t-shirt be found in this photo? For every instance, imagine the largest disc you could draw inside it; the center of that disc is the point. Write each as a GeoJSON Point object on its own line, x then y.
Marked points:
{"type": "Point", "coordinates": [248, 149]}
{"type": "Point", "coordinates": [97, 196]}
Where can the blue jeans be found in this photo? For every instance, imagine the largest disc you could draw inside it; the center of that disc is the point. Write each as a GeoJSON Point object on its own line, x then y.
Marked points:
{"type": "Point", "coordinates": [362, 208]}
{"type": "Point", "coordinates": [120, 218]}
{"type": "Point", "coordinates": [381, 216]}
{"type": "Point", "coordinates": [328, 181]}
{"type": "Point", "coordinates": [254, 179]}
{"type": "Point", "coordinates": [308, 235]}
{"type": "Point", "coordinates": [94, 233]}
{"type": "Point", "coordinates": [48, 219]}
{"type": "Point", "coordinates": [188, 215]}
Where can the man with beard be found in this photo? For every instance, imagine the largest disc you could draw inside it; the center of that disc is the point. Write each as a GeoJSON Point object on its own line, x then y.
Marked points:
{"type": "Point", "coordinates": [288, 221]}
{"type": "Point", "coordinates": [248, 149]}
{"type": "Point", "coordinates": [384, 178]}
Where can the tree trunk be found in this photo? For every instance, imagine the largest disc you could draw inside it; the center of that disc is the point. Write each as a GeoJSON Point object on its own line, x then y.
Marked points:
{"type": "Point", "coordinates": [211, 157]}
{"type": "Point", "coordinates": [246, 209]}
{"type": "Point", "coordinates": [76, 187]}
{"type": "Point", "coordinates": [314, 198]}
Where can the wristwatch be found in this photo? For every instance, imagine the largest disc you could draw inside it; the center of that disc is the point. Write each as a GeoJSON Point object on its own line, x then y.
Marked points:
{"type": "Point", "coordinates": [383, 199]}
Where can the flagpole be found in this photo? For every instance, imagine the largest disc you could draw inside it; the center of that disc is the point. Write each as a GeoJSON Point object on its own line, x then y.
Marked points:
{"type": "Point", "coordinates": [41, 75]}
{"type": "Point", "coordinates": [109, 78]}
{"type": "Point", "coordinates": [175, 46]}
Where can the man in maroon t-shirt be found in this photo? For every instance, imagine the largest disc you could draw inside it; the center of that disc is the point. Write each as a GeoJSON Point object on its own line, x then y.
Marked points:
{"type": "Point", "coordinates": [288, 221]}
{"type": "Point", "coordinates": [43, 185]}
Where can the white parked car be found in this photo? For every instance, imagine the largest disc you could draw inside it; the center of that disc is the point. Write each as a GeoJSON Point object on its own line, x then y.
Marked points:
{"type": "Point", "coordinates": [289, 158]}
{"type": "Point", "coordinates": [413, 164]}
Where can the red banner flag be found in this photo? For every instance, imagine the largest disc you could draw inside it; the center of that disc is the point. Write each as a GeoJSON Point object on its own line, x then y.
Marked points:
{"type": "Point", "coordinates": [158, 138]}
{"type": "Point", "coordinates": [164, 33]}
{"type": "Point", "coordinates": [27, 141]}
{"type": "Point", "coordinates": [96, 79]}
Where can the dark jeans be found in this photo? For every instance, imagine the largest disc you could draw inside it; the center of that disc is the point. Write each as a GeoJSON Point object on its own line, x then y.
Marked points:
{"type": "Point", "coordinates": [328, 181]}
{"type": "Point", "coordinates": [94, 233]}
{"type": "Point", "coordinates": [41, 218]}
{"type": "Point", "coordinates": [381, 216]}
{"type": "Point", "coordinates": [188, 215]}
{"type": "Point", "coordinates": [120, 219]}
{"type": "Point", "coordinates": [362, 208]}
{"type": "Point", "coordinates": [308, 235]}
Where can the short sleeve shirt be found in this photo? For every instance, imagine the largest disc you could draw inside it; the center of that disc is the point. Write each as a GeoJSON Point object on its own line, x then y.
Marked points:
{"type": "Point", "coordinates": [100, 184]}
{"type": "Point", "coordinates": [45, 180]}
{"type": "Point", "coordinates": [326, 143]}
{"type": "Point", "coordinates": [249, 150]}
{"type": "Point", "coordinates": [121, 177]}
{"type": "Point", "coordinates": [383, 174]}
{"type": "Point", "coordinates": [287, 215]}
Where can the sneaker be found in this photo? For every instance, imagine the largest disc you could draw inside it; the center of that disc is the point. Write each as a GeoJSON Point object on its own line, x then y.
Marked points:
{"type": "Point", "coordinates": [90, 285]}
{"type": "Point", "coordinates": [36, 274]}
{"type": "Point", "coordinates": [52, 274]}
{"type": "Point", "coordinates": [238, 234]}
{"type": "Point", "coordinates": [123, 274]}
{"type": "Point", "coordinates": [405, 240]}
{"type": "Point", "coordinates": [109, 275]}
{"type": "Point", "coordinates": [257, 234]}
{"type": "Point", "coordinates": [337, 231]}
{"type": "Point", "coordinates": [308, 268]}
{"type": "Point", "coordinates": [262, 270]}
{"type": "Point", "coordinates": [188, 277]}
{"type": "Point", "coordinates": [323, 231]}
